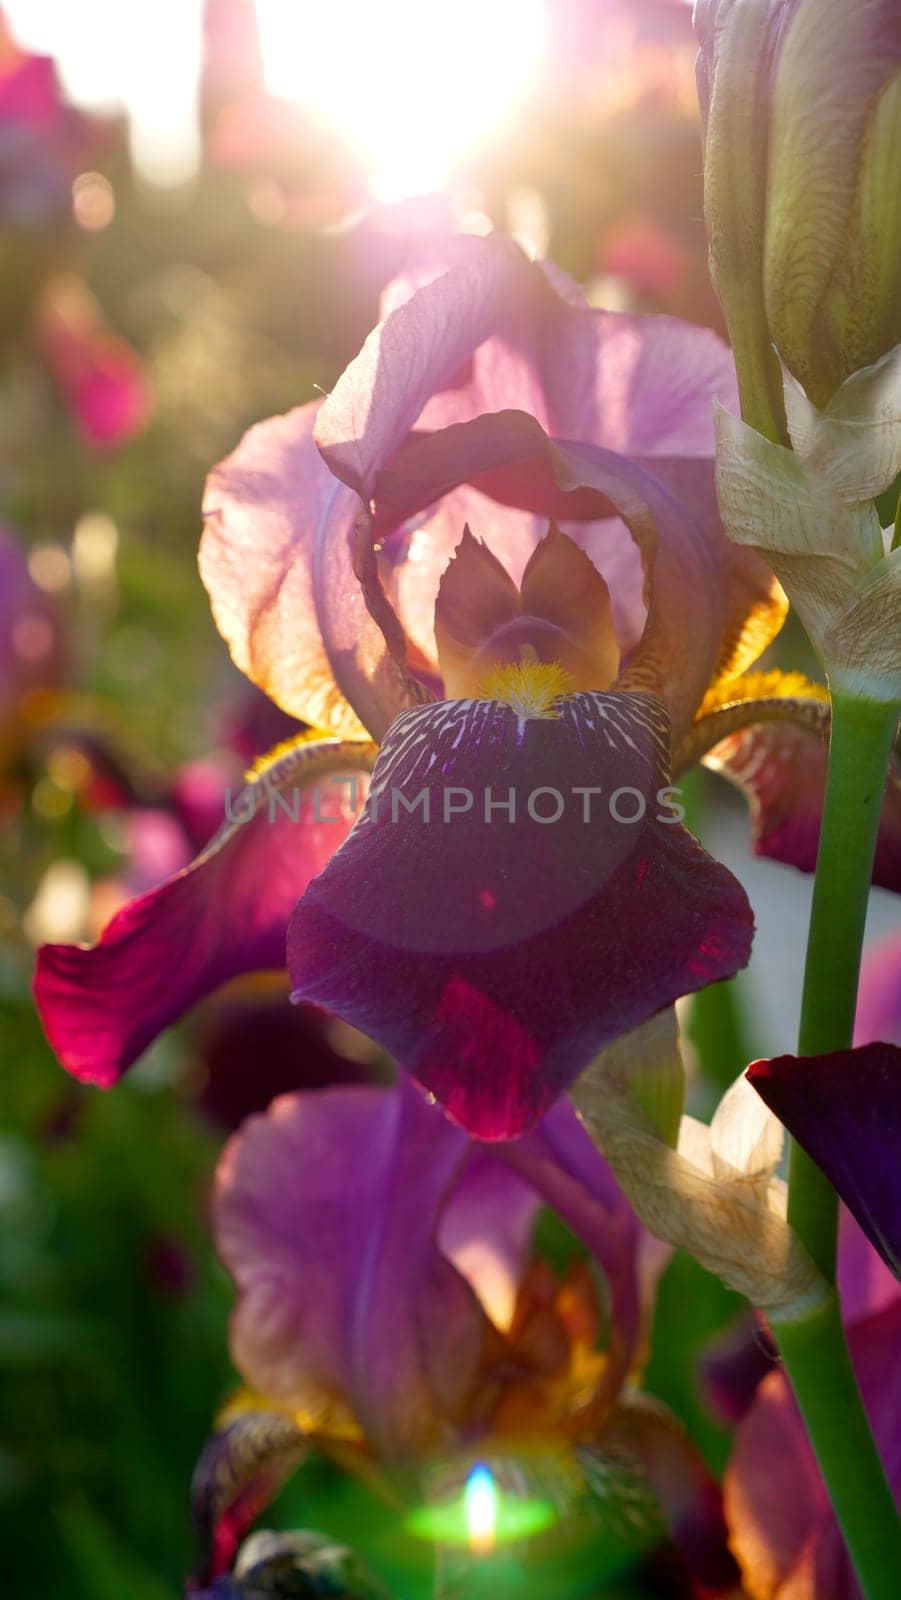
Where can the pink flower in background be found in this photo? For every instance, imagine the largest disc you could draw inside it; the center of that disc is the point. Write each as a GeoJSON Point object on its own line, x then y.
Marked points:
{"type": "Point", "coordinates": [782, 1528]}
{"type": "Point", "coordinates": [102, 381]}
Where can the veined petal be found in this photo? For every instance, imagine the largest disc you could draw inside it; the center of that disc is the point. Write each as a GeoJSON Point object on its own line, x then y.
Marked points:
{"type": "Point", "coordinates": [495, 953]}
{"type": "Point", "coordinates": [277, 559]}
{"type": "Point", "coordinates": [731, 1220]}
{"type": "Point", "coordinates": [225, 914]}
{"type": "Point", "coordinates": [845, 1110]}
{"type": "Point", "coordinates": [828, 555]}
{"type": "Point", "coordinates": [856, 440]}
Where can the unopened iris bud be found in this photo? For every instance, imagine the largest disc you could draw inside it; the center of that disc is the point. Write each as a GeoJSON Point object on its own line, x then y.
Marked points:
{"type": "Point", "coordinates": [802, 108]}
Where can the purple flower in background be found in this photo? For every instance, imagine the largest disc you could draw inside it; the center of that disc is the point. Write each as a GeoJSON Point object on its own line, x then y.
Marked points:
{"type": "Point", "coordinates": [390, 1310]}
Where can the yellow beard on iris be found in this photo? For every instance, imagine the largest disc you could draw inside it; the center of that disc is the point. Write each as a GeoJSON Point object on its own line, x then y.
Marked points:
{"type": "Point", "coordinates": [531, 688]}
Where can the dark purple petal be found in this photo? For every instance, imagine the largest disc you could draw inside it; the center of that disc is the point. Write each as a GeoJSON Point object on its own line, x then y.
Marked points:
{"type": "Point", "coordinates": [494, 958]}
{"type": "Point", "coordinates": [844, 1109]}
{"type": "Point", "coordinates": [224, 915]}
{"type": "Point", "coordinates": [291, 1047]}
{"type": "Point", "coordinates": [735, 1365]}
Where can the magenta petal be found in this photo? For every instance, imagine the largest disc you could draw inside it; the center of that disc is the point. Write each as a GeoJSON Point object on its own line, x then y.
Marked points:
{"type": "Point", "coordinates": [879, 996]}
{"type": "Point", "coordinates": [495, 957]}
{"type": "Point", "coordinates": [327, 1211]}
{"type": "Point", "coordinates": [225, 914]}
{"type": "Point", "coordinates": [845, 1110]}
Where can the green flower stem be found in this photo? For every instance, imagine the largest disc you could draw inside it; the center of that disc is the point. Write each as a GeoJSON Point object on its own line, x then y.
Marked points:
{"type": "Point", "coordinates": [815, 1352]}
{"type": "Point", "coordinates": [815, 1349]}
{"type": "Point", "coordinates": [862, 733]}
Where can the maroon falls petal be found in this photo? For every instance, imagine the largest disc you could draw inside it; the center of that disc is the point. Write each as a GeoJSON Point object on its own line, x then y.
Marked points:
{"type": "Point", "coordinates": [518, 892]}
{"type": "Point", "coordinates": [844, 1109]}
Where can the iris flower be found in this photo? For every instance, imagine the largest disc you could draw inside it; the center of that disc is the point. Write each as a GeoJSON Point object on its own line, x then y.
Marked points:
{"type": "Point", "coordinates": [391, 1312]}
{"type": "Point", "coordinates": [589, 637]}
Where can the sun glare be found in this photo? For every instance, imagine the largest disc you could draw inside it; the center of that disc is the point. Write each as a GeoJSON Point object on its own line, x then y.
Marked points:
{"type": "Point", "coordinates": [413, 87]}
{"type": "Point", "coordinates": [480, 1508]}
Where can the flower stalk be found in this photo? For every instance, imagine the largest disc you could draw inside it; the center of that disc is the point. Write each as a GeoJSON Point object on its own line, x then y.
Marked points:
{"type": "Point", "coordinates": [815, 1349]}
{"type": "Point", "coordinates": [815, 1352]}
{"type": "Point", "coordinates": [862, 735]}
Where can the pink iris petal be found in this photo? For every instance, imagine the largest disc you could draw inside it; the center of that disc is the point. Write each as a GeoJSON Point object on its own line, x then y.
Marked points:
{"type": "Point", "coordinates": [781, 769]}
{"type": "Point", "coordinates": [494, 954]}
{"type": "Point", "coordinates": [782, 1528]}
{"type": "Point", "coordinates": [845, 1110]}
{"type": "Point", "coordinates": [223, 915]}
{"type": "Point", "coordinates": [879, 997]}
